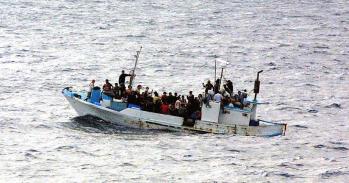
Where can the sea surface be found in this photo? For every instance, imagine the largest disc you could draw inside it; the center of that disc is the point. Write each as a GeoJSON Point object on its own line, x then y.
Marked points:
{"type": "Point", "coordinates": [302, 46]}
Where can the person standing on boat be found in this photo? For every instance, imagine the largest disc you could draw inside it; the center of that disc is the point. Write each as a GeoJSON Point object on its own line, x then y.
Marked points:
{"type": "Point", "coordinates": [190, 97]}
{"type": "Point", "coordinates": [230, 87]}
{"type": "Point", "coordinates": [147, 93]}
{"type": "Point", "coordinates": [171, 99]}
{"type": "Point", "coordinates": [164, 97]}
{"type": "Point", "coordinates": [217, 86]}
{"type": "Point", "coordinates": [156, 102]}
{"type": "Point", "coordinates": [122, 77]}
{"type": "Point", "coordinates": [90, 88]}
{"type": "Point", "coordinates": [183, 101]}
{"type": "Point", "coordinates": [207, 86]}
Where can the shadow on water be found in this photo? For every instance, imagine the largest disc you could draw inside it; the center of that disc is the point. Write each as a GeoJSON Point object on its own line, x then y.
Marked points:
{"type": "Point", "coordinates": [91, 124]}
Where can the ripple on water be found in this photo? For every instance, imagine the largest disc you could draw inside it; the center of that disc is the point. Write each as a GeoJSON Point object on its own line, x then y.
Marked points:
{"type": "Point", "coordinates": [333, 173]}
{"type": "Point", "coordinates": [334, 105]}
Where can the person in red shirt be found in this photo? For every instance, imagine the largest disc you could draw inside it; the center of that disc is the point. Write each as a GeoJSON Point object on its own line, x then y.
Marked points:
{"type": "Point", "coordinates": [164, 108]}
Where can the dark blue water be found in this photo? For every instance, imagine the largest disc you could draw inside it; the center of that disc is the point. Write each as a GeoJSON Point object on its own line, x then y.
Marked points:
{"type": "Point", "coordinates": [302, 46]}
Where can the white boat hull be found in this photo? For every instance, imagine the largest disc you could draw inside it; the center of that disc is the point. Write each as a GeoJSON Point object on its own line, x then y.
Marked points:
{"type": "Point", "coordinates": [141, 119]}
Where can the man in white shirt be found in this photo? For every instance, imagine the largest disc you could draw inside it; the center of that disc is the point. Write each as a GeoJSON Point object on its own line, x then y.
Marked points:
{"type": "Point", "coordinates": [218, 97]}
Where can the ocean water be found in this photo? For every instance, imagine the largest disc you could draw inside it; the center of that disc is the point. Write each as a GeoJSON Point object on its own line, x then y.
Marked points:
{"type": "Point", "coordinates": [302, 46]}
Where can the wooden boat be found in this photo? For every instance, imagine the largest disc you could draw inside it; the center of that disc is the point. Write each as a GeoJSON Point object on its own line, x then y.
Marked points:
{"type": "Point", "coordinates": [231, 120]}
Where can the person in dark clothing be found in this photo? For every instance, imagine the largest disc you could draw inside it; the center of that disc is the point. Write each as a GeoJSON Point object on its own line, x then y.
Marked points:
{"type": "Point", "coordinates": [229, 87]}
{"type": "Point", "coordinates": [132, 98]}
{"type": "Point", "coordinates": [122, 77]}
{"type": "Point", "coordinates": [176, 96]}
{"type": "Point", "coordinates": [190, 98]}
{"type": "Point", "coordinates": [207, 86]}
{"type": "Point", "coordinates": [122, 90]}
{"type": "Point", "coordinates": [116, 91]}
{"type": "Point", "coordinates": [182, 112]}
{"type": "Point", "coordinates": [173, 110]}
{"type": "Point", "coordinates": [171, 99]}
{"type": "Point", "coordinates": [217, 86]}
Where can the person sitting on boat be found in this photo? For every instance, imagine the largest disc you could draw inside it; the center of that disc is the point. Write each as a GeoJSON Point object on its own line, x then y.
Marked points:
{"type": "Point", "coordinates": [108, 88]}
{"type": "Point", "coordinates": [122, 77]}
{"type": "Point", "coordinates": [182, 112]}
{"type": "Point", "coordinates": [238, 100]}
{"type": "Point", "coordinates": [173, 111]}
{"type": "Point", "coordinates": [132, 98]}
{"type": "Point", "coordinates": [218, 97]}
{"type": "Point", "coordinates": [195, 116]}
{"type": "Point", "coordinates": [207, 86]}
{"type": "Point", "coordinates": [138, 89]}
{"type": "Point", "coordinates": [129, 90]}
{"type": "Point", "coordinates": [90, 88]}
{"type": "Point", "coordinates": [116, 91]}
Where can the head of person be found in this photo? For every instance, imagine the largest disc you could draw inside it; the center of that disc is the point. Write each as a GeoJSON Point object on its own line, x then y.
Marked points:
{"type": "Point", "coordinates": [156, 94]}
{"type": "Point", "coordinates": [175, 94]}
{"type": "Point", "coordinates": [139, 87]}
{"type": "Point", "coordinates": [147, 88]}
{"type": "Point", "coordinates": [190, 92]}
{"type": "Point", "coordinates": [200, 95]}
{"type": "Point", "coordinates": [170, 94]}
{"type": "Point", "coordinates": [93, 81]}
{"type": "Point", "coordinates": [122, 72]}
{"type": "Point", "coordinates": [208, 82]}
{"type": "Point", "coordinates": [116, 84]}
{"type": "Point", "coordinates": [106, 81]}
{"type": "Point", "coordinates": [164, 93]}
{"type": "Point", "coordinates": [129, 87]}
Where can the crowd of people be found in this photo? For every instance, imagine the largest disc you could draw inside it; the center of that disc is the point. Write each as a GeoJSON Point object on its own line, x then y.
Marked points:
{"type": "Point", "coordinates": [171, 103]}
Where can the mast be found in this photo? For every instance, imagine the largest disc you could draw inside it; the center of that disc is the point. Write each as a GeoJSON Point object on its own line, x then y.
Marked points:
{"type": "Point", "coordinates": [220, 80]}
{"type": "Point", "coordinates": [257, 84]}
{"type": "Point", "coordinates": [134, 68]}
{"type": "Point", "coordinates": [215, 70]}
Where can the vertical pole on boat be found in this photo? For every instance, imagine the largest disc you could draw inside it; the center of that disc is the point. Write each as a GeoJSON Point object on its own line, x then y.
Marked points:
{"type": "Point", "coordinates": [215, 70]}
{"type": "Point", "coordinates": [134, 68]}
{"type": "Point", "coordinates": [220, 80]}
{"type": "Point", "coordinates": [257, 83]}
{"type": "Point", "coordinates": [256, 91]}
